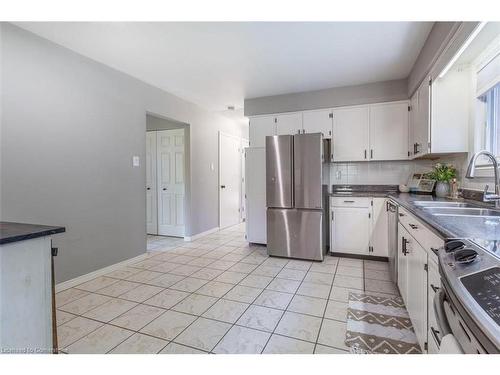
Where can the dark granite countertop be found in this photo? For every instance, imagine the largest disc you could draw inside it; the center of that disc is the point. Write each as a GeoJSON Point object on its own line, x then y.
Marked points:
{"type": "Point", "coordinates": [14, 232]}
{"type": "Point", "coordinates": [444, 226]}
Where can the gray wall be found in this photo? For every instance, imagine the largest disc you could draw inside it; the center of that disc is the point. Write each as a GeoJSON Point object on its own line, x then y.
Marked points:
{"type": "Point", "coordinates": [333, 97]}
{"type": "Point", "coordinates": [69, 129]}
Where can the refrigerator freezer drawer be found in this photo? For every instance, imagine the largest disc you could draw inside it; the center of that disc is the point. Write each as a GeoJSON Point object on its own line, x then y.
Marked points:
{"type": "Point", "coordinates": [293, 233]}
{"type": "Point", "coordinates": [279, 171]}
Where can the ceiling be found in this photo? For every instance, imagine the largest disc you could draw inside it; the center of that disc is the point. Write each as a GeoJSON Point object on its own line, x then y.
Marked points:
{"type": "Point", "coordinates": [219, 64]}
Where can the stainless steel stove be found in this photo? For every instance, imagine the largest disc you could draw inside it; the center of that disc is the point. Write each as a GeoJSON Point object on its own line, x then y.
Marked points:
{"type": "Point", "coordinates": [470, 274]}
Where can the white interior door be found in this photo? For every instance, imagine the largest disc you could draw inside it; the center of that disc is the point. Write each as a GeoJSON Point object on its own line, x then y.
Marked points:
{"type": "Point", "coordinates": [151, 206]}
{"type": "Point", "coordinates": [243, 210]}
{"type": "Point", "coordinates": [170, 173]}
{"type": "Point", "coordinates": [229, 180]}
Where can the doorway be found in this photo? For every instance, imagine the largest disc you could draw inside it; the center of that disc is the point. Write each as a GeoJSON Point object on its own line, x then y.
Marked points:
{"type": "Point", "coordinates": [231, 193]}
{"type": "Point", "coordinates": [165, 177]}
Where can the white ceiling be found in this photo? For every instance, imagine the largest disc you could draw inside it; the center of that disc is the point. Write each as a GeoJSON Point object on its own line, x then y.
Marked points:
{"type": "Point", "coordinates": [220, 64]}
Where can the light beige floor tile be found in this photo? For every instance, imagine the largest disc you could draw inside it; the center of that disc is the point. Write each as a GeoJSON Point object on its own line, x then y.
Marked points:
{"type": "Point", "coordinates": [74, 330]}
{"type": "Point", "coordinates": [241, 340]}
{"type": "Point", "coordinates": [226, 311]}
{"type": "Point", "coordinates": [377, 275]}
{"type": "Point", "coordinates": [260, 317]}
{"type": "Point", "coordinates": [301, 265]}
{"type": "Point", "coordinates": [254, 259]}
{"type": "Point", "coordinates": [256, 281]}
{"type": "Point", "coordinates": [189, 284]}
{"type": "Point", "coordinates": [336, 310]}
{"type": "Point", "coordinates": [100, 341]}
{"type": "Point", "coordinates": [284, 285]}
{"type": "Point", "coordinates": [140, 344]}
{"type": "Point", "coordinates": [323, 267]}
{"type": "Point", "coordinates": [195, 304]}
{"type": "Point", "coordinates": [201, 262]}
{"type": "Point", "coordinates": [321, 349]}
{"type": "Point", "coordinates": [141, 293]}
{"type": "Point", "coordinates": [109, 310]}
{"type": "Point", "coordinates": [376, 265]}
{"type": "Point", "coordinates": [96, 284]}
{"type": "Point", "coordinates": [314, 290]}
{"type": "Point", "coordinates": [168, 325]}
{"type": "Point", "coordinates": [174, 348]}
{"type": "Point", "coordinates": [341, 294]}
{"type": "Point", "coordinates": [166, 280]}
{"type": "Point", "coordinates": [285, 345]}
{"type": "Point", "coordinates": [329, 259]}
{"type": "Point", "coordinates": [266, 271]}
{"type": "Point", "coordinates": [307, 305]}
{"type": "Point", "coordinates": [333, 334]}
{"type": "Point", "coordinates": [299, 326]}
{"type": "Point", "coordinates": [123, 273]}
{"type": "Point", "coordinates": [167, 298]}
{"type": "Point", "coordinates": [380, 286]}
{"type": "Point", "coordinates": [233, 257]}
{"type": "Point", "coordinates": [185, 270]}
{"type": "Point", "coordinates": [349, 271]}
{"type": "Point", "coordinates": [242, 293]}
{"type": "Point", "coordinates": [207, 273]}
{"type": "Point", "coordinates": [243, 267]}
{"type": "Point", "coordinates": [138, 317]}
{"type": "Point", "coordinates": [203, 334]}
{"type": "Point", "coordinates": [85, 304]}
{"type": "Point", "coordinates": [118, 288]}
{"type": "Point", "coordinates": [273, 299]}
{"type": "Point", "coordinates": [275, 262]}
{"type": "Point", "coordinates": [221, 265]}
{"type": "Point", "coordinates": [215, 289]}
{"type": "Point", "coordinates": [63, 317]}
{"type": "Point", "coordinates": [69, 295]}
{"type": "Point", "coordinates": [165, 267]}
{"type": "Point", "coordinates": [182, 259]}
{"type": "Point", "coordinates": [319, 278]}
{"type": "Point", "coordinates": [349, 262]}
{"type": "Point", "coordinates": [348, 282]}
{"type": "Point", "coordinates": [146, 264]}
{"type": "Point", "coordinates": [291, 274]}
{"type": "Point", "coordinates": [144, 276]}
{"type": "Point", "coordinates": [231, 277]}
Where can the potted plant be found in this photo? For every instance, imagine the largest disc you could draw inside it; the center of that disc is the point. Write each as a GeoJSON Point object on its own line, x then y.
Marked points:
{"type": "Point", "coordinates": [443, 174]}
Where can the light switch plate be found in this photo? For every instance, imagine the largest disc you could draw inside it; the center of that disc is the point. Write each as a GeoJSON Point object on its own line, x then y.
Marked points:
{"type": "Point", "coordinates": [135, 161]}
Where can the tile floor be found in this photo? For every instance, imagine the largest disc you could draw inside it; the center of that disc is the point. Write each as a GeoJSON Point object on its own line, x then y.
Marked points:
{"type": "Point", "coordinates": [216, 295]}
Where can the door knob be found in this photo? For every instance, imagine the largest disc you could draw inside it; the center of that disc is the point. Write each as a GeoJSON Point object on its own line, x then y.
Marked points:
{"type": "Point", "coordinates": [164, 189]}
{"type": "Point", "coordinates": [148, 188]}
{"type": "Point", "coordinates": [223, 186]}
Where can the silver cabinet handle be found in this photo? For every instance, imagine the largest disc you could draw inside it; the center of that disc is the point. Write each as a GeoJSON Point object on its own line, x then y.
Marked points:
{"type": "Point", "coordinates": [435, 288]}
{"type": "Point", "coordinates": [365, 154]}
{"type": "Point", "coordinates": [348, 201]}
{"type": "Point", "coordinates": [442, 321]}
{"type": "Point", "coordinates": [413, 226]}
{"type": "Point", "coordinates": [371, 154]}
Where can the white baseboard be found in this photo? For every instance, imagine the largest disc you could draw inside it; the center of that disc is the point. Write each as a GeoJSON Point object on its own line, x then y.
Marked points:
{"type": "Point", "coordinates": [92, 275]}
{"type": "Point", "coordinates": [202, 234]}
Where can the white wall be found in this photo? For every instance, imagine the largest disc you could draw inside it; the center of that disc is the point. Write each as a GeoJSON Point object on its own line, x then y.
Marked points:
{"type": "Point", "coordinates": [69, 129]}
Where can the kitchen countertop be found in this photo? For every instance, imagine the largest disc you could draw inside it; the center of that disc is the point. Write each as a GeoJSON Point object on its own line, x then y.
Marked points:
{"type": "Point", "coordinates": [444, 226]}
{"type": "Point", "coordinates": [14, 232]}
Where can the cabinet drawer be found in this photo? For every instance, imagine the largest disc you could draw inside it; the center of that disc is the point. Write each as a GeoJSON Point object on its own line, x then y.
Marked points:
{"type": "Point", "coordinates": [424, 236]}
{"type": "Point", "coordinates": [350, 202]}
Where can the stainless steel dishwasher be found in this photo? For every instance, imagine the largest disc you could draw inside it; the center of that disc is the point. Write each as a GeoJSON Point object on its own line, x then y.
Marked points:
{"type": "Point", "coordinates": [392, 210]}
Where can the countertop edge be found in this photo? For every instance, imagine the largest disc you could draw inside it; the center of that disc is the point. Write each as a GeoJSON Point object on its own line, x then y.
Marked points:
{"type": "Point", "coordinates": [43, 232]}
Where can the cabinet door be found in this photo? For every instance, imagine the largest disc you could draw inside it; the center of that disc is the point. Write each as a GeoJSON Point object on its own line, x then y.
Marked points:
{"type": "Point", "coordinates": [350, 134]}
{"type": "Point", "coordinates": [379, 236]}
{"type": "Point", "coordinates": [389, 131]}
{"type": "Point", "coordinates": [318, 122]}
{"type": "Point", "coordinates": [417, 290]}
{"type": "Point", "coordinates": [255, 195]}
{"type": "Point", "coordinates": [350, 230]}
{"type": "Point", "coordinates": [412, 124]}
{"type": "Point", "coordinates": [260, 127]}
{"type": "Point", "coordinates": [422, 128]}
{"type": "Point", "coordinates": [403, 236]}
{"type": "Point", "coordinates": [289, 124]}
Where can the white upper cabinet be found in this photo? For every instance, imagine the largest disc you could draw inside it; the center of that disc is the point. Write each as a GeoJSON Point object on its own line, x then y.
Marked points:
{"type": "Point", "coordinates": [351, 133]}
{"type": "Point", "coordinates": [320, 121]}
{"type": "Point", "coordinates": [289, 123]}
{"type": "Point", "coordinates": [389, 131]}
{"type": "Point", "coordinates": [260, 127]}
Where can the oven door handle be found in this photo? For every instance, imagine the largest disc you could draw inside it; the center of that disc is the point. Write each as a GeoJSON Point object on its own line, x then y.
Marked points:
{"type": "Point", "coordinates": [442, 321]}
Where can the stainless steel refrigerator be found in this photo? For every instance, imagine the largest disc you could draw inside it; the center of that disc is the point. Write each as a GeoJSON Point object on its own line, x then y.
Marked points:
{"type": "Point", "coordinates": [294, 196]}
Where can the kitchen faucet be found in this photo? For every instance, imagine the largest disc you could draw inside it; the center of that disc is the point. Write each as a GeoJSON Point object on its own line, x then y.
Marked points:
{"type": "Point", "coordinates": [487, 197]}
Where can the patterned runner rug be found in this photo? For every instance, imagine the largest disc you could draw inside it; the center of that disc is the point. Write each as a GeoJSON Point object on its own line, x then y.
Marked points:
{"type": "Point", "coordinates": [379, 325]}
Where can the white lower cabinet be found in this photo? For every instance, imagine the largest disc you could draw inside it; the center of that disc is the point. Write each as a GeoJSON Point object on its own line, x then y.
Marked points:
{"type": "Point", "coordinates": [403, 237]}
{"type": "Point", "coordinates": [359, 226]}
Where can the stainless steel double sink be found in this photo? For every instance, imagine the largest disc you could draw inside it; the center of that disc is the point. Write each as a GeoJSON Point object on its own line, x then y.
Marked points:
{"type": "Point", "coordinates": [438, 208]}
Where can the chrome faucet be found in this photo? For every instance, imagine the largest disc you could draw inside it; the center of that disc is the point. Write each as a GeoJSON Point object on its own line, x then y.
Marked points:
{"type": "Point", "coordinates": [487, 197]}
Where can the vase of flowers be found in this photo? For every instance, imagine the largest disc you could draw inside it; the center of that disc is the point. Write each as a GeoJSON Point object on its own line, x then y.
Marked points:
{"type": "Point", "coordinates": [443, 174]}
